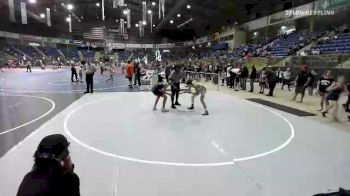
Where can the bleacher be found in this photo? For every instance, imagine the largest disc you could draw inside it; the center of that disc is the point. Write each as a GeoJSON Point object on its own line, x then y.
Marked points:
{"type": "Point", "coordinates": [70, 52]}
{"type": "Point", "coordinates": [50, 51]}
{"type": "Point", "coordinates": [289, 44]}
{"type": "Point", "coordinates": [88, 54]}
{"type": "Point", "coordinates": [12, 52]}
{"type": "Point", "coordinates": [339, 45]}
{"type": "Point", "coordinates": [28, 50]}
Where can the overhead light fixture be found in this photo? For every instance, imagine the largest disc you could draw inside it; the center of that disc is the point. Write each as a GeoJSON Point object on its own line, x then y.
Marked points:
{"type": "Point", "coordinates": [98, 4]}
{"type": "Point", "coordinates": [154, 25]}
{"type": "Point", "coordinates": [255, 33]}
{"type": "Point", "coordinates": [153, 3]}
{"type": "Point", "coordinates": [42, 15]}
{"type": "Point", "coordinates": [149, 11]}
{"type": "Point", "coordinates": [171, 22]}
{"type": "Point", "coordinates": [188, 7]}
{"type": "Point", "coordinates": [125, 22]}
{"type": "Point", "coordinates": [136, 25]}
{"type": "Point", "coordinates": [125, 12]}
{"type": "Point", "coordinates": [283, 27]}
{"type": "Point", "coordinates": [68, 19]}
{"type": "Point", "coordinates": [178, 15]}
{"type": "Point", "coordinates": [70, 6]}
{"type": "Point", "coordinates": [144, 22]}
{"type": "Point", "coordinates": [32, 1]}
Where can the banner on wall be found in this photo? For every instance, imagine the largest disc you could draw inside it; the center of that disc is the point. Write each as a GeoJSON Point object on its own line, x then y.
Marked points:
{"type": "Point", "coordinates": [202, 40]}
{"type": "Point", "coordinates": [167, 45]}
{"type": "Point", "coordinates": [179, 44]}
{"type": "Point", "coordinates": [147, 45]}
{"type": "Point", "coordinates": [55, 40]}
{"type": "Point", "coordinates": [24, 12]}
{"type": "Point", "coordinates": [279, 17]}
{"type": "Point", "coordinates": [116, 45]}
{"type": "Point", "coordinates": [133, 46]}
{"type": "Point", "coordinates": [31, 38]}
{"type": "Point", "coordinates": [333, 4]}
{"type": "Point", "coordinates": [189, 43]}
{"type": "Point", "coordinates": [11, 10]}
{"type": "Point", "coordinates": [10, 35]}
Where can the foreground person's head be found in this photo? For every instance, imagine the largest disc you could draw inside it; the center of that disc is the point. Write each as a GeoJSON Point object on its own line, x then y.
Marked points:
{"type": "Point", "coordinates": [52, 155]}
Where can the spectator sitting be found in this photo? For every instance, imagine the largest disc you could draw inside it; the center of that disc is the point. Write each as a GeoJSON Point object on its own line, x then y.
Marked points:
{"type": "Point", "coordinates": [52, 173]}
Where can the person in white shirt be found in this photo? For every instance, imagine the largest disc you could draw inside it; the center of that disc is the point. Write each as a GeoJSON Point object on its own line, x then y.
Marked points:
{"type": "Point", "coordinates": [90, 70]}
{"type": "Point", "coordinates": [286, 78]}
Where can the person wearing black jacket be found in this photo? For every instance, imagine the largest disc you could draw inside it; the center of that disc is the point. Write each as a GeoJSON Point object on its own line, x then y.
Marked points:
{"type": "Point", "coordinates": [243, 77]}
{"type": "Point", "coordinates": [252, 78]}
{"type": "Point", "coordinates": [73, 73]}
{"type": "Point", "coordinates": [272, 80]}
{"type": "Point", "coordinates": [137, 78]}
{"type": "Point", "coordinates": [53, 171]}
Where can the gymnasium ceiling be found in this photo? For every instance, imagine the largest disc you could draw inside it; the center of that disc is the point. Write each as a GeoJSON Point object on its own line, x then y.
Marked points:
{"type": "Point", "coordinates": [208, 15]}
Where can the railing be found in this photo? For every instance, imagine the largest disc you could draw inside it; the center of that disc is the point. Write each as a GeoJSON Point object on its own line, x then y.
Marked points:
{"type": "Point", "coordinates": [200, 76]}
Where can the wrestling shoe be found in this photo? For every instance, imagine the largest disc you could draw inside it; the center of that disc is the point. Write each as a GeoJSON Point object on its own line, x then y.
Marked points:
{"type": "Point", "coordinates": [191, 108]}
{"type": "Point", "coordinates": [206, 113]}
{"type": "Point", "coordinates": [173, 106]}
{"type": "Point", "coordinates": [154, 109]}
{"type": "Point", "coordinates": [178, 104]}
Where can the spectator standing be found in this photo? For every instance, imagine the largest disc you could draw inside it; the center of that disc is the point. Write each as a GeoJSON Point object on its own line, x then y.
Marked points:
{"type": "Point", "coordinates": [129, 72]}
{"type": "Point", "coordinates": [272, 80]}
{"type": "Point", "coordinates": [252, 78]}
{"type": "Point", "coordinates": [286, 78]}
{"type": "Point", "coordinates": [244, 76]}
{"type": "Point", "coordinates": [137, 79]}
{"type": "Point", "coordinates": [322, 85]}
{"type": "Point", "coordinates": [302, 82]}
{"type": "Point", "coordinates": [228, 76]}
{"type": "Point", "coordinates": [262, 81]}
{"type": "Point", "coordinates": [90, 70]}
{"type": "Point", "coordinates": [53, 170]}
{"type": "Point", "coordinates": [311, 86]}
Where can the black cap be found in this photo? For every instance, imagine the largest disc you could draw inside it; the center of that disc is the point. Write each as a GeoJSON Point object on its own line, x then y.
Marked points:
{"type": "Point", "coordinates": [53, 147]}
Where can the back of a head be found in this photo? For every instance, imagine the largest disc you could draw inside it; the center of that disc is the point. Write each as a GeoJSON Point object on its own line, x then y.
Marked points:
{"type": "Point", "coordinates": [50, 153]}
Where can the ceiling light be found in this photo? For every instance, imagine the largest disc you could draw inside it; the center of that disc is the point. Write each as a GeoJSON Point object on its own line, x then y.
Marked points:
{"type": "Point", "coordinates": [98, 4]}
{"type": "Point", "coordinates": [171, 21]}
{"type": "Point", "coordinates": [188, 7]}
{"type": "Point", "coordinates": [153, 3]}
{"type": "Point", "coordinates": [125, 12]}
{"type": "Point", "coordinates": [125, 22]}
{"type": "Point", "coordinates": [255, 33]}
{"type": "Point", "coordinates": [136, 25]}
{"type": "Point", "coordinates": [144, 22]}
{"type": "Point", "coordinates": [42, 15]}
{"type": "Point", "coordinates": [68, 19]}
{"type": "Point", "coordinates": [178, 15]}
{"type": "Point", "coordinates": [149, 11]}
{"type": "Point", "coordinates": [32, 1]}
{"type": "Point", "coordinates": [154, 25]}
{"type": "Point", "coordinates": [70, 7]}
